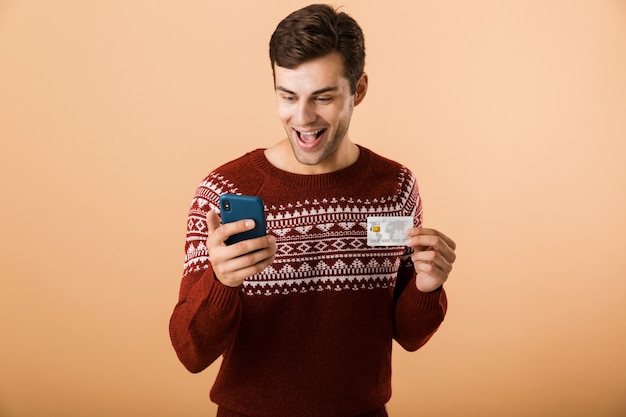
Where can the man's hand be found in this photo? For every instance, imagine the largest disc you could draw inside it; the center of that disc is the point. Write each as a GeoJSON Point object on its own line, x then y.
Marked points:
{"type": "Point", "coordinates": [433, 257]}
{"type": "Point", "coordinates": [232, 264]}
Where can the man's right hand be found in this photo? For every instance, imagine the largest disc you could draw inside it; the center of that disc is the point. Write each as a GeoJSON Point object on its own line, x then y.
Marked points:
{"type": "Point", "coordinates": [232, 264]}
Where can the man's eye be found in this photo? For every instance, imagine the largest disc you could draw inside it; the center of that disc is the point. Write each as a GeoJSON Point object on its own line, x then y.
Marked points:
{"type": "Point", "coordinates": [323, 99]}
{"type": "Point", "coordinates": [289, 99]}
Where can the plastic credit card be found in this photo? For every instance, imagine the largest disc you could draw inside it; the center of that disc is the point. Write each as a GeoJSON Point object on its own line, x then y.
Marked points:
{"type": "Point", "coordinates": [388, 230]}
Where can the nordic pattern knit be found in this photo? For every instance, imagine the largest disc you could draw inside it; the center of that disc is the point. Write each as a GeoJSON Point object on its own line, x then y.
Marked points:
{"type": "Point", "coordinates": [311, 335]}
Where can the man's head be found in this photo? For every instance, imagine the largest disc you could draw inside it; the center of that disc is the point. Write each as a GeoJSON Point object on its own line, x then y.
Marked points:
{"type": "Point", "coordinates": [316, 31]}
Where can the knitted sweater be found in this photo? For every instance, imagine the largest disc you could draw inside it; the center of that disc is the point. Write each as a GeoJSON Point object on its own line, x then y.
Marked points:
{"type": "Point", "coordinates": [312, 334]}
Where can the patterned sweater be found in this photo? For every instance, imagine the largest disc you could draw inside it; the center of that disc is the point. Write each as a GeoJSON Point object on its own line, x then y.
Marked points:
{"type": "Point", "coordinates": [312, 334]}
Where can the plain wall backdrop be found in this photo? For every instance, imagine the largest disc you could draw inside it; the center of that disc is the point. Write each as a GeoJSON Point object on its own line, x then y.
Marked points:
{"type": "Point", "coordinates": [512, 114]}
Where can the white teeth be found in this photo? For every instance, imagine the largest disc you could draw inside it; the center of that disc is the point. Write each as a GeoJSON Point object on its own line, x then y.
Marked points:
{"type": "Point", "coordinates": [310, 133]}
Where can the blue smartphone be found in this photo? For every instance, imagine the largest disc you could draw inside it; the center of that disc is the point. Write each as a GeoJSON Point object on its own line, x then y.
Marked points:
{"type": "Point", "coordinates": [235, 207]}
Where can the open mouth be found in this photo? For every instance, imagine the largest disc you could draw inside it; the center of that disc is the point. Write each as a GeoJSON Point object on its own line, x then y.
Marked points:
{"type": "Point", "coordinates": [310, 137]}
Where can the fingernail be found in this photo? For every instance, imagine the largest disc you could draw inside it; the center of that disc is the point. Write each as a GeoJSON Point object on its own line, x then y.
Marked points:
{"type": "Point", "coordinates": [249, 223]}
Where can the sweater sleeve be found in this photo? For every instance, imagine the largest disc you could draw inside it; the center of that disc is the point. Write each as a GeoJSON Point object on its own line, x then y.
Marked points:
{"type": "Point", "coordinates": [207, 315]}
{"type": "Point", "coordinates": [204, 321]}
{"type": "Point", "coordinates": [417, 315]}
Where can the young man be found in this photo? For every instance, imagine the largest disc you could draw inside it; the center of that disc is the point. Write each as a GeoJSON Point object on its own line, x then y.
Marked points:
{"type": "Point", "coordinates": [305, 316]}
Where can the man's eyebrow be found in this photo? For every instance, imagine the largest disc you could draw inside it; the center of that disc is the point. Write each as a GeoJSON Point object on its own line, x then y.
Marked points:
{"type": "Point", "coordinates": [315, 93]}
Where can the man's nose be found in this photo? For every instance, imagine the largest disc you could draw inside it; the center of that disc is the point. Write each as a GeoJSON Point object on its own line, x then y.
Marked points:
{"type": "Point", "coordinates": [305, 113]}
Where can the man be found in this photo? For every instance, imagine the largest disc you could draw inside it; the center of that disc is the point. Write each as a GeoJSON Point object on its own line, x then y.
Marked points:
{"type": "Point", "coordinates": [305, 316]}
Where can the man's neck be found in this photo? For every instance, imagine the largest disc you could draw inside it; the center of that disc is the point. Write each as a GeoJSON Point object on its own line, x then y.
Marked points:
{"type": "Point", "coordinates": [282, 157]}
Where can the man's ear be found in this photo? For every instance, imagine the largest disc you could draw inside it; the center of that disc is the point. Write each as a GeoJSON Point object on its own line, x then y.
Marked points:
{"type": "Point", "coordinates": [361, 89]}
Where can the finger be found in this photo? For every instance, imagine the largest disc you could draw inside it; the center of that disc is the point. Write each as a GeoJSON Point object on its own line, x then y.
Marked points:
{"type": "Point", "coordinates": [213, 221]}
{"type": "Point", "coordinates": [422, 231]}
{"type": "Point", "coordinates": [429, 260]}
{"type": "Point", "coordinates": [243, 259]}
{"type": "Point", "coordinates": [421, 243]}
{"type": "Point", "coordinates": [430, 276]}
{"type": "Point", "coordinates": [428, 282]}
{"type": "Point", "coordinates": [252, 252]}
{"type": "Point", "coordinates": [224, 231]}
{"type": "Point", "coordinates": [236, 277]}
{"type": "Point", "coordinates": [442, 248]}
{"type": "Point", "coordinates": [248, 246]}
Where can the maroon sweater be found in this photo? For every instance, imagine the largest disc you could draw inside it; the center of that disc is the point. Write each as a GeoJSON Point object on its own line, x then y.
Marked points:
{"type": "Point", "coordinates": [312, 334]}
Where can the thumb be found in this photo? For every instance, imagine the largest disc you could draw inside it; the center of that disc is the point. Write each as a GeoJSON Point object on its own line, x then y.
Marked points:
{"type": "Point", "coordinates": [212, 221]}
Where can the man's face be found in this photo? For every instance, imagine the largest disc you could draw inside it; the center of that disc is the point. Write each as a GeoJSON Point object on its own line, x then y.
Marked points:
{"type": "Point", "coordinates": [315, 106]}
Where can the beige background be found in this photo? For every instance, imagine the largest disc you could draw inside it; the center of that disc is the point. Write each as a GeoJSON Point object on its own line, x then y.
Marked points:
{"type": "Point", "coordinates": [511, 113]}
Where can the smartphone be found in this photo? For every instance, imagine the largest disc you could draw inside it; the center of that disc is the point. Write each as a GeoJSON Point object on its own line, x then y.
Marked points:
{"type": "Point", "coordinates": [238, 207]}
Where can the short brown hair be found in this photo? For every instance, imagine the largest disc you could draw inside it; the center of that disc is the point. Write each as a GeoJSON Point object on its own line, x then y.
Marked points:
{"type": "Point", "coordinates": [315, 31]}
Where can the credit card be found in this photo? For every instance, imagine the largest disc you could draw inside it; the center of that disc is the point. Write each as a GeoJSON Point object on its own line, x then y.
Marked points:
{"type": "Point", "coordinates": [388, 230]}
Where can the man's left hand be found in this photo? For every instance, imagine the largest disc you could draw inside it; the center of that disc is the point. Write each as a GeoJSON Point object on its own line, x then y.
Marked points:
{"type": "Point", "coordinates": [433, 257]}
